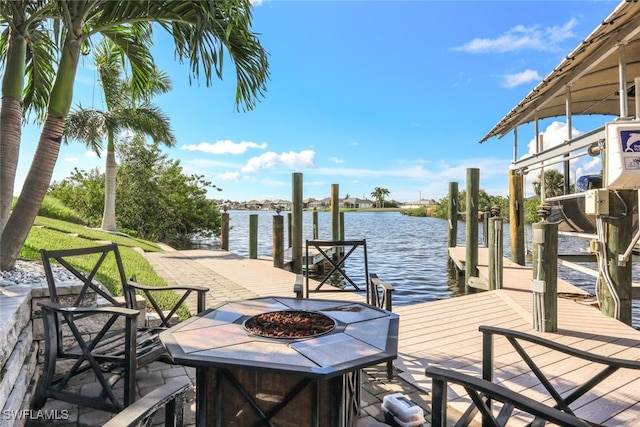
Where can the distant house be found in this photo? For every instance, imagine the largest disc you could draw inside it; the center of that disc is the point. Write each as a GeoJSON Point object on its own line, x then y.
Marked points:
{"type": "Point", "coordinates": [307, 202]}
{"type": "Point", "coordinates": [284, 205]}
{"type": "Point", "coordinates": [354, 202]}
{"type": "Point", "coordinates": [253, 205]}
{"type": "Point", "coordinates": [319, 204]}
{"type": "Point", "coordinates": [418, 204]}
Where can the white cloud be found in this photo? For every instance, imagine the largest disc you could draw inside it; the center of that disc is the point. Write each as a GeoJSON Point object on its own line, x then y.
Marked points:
{"type": "Point", "coordinates": [416, 171]}
{"type": "Point", "coordinates": [521, 37]}
{"type": "Point", "coordinates": [230, 176]}
{"type": "Point", "coordinates": [270, 159]}
{"type": "Point", "coordinates": [71, 159]}
{"type": "Point", "coordinates": [256, 3]}
{"type": "Point", "coordinates": [224, 147]}
{"type": "Point", "coordinates": [554, 134]}
{"type": "Point", "coordinates": [204, 164]}
{"type": "Point", "coordinates": [337, 160]}
{"type": "Point", "coordinates": [526, 76]}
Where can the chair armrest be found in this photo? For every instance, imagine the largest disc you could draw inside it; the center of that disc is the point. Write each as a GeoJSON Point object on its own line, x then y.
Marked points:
{"type": "Point", "coordinates": [610, 361]}
{"type": "Point", "coordinates": [147, 290]}
{"type": "Point", "coordinates": [379, 283]}
{"type": "Point", "coordinates": [492, 391]}
{"type": "Point", "coordinates": [382, 292]}
{"type": "Point", "coordinates": [170, 395]}
{"type": "Point", "coordinates": [56, 307]}
{"type": "Point", "coordinates": [194, 288]}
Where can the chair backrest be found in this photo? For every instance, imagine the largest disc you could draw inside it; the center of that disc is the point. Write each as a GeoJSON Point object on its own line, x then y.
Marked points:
{"type": "Point", "coordinates": [484, 395]}
{"type": "Point", "coordinates": [335, 253]}
{"type": "Point", "coordinates": [93, 260]}
{"type": "Point", "coordinates": [141, 412]}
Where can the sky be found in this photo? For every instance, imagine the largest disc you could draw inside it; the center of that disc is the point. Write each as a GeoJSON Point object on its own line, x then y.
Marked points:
{"type": "Point", "coordinates": [365, 94]}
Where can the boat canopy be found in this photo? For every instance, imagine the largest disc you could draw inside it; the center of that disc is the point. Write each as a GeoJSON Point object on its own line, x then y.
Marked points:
{"type": "Point", "coordinates": [588, 80]}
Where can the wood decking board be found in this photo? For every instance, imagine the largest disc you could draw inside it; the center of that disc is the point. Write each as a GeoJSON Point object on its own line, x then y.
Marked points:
{"type": "Point", "coordinates": [445, 333]}
{"type": "Point", "coordinates": [455, 342]}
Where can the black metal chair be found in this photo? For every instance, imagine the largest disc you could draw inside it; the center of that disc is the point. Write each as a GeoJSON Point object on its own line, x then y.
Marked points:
{"type": "Point", "coordinates": [482, 390]}
{"type": "Point", "coordinates": [170, 396]}
{"type": "Point", "coordinates": [335, 253]}
{"type": "Point", "coordinates": [606, 366]}
{"type": "Point", "coordinates": [91, 331]}
{"type": "Point", "coordinates": [484, 394]}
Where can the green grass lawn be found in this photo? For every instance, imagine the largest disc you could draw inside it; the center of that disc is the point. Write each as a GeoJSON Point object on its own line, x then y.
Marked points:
{"type": "Point", "coordinates": [53, 234]}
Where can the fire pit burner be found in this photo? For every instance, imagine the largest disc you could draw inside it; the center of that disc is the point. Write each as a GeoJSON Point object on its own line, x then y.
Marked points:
{"type": "Point", "coordinates": [289, 324]}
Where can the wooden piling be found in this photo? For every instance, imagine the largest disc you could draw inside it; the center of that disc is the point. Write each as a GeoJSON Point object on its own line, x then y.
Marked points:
{"type": "Point", "coordinates": [224, 232]}
{"type": "Point", "coordinates": [486, 214]}
{"type": "Point", "coordinates": [342, 226]}
{"type": "Point", "coordinates": [494, 239]}
{"type": "Point", "coordinates": [545, 276]}
{"type": "Point", "coordinates": [315, 224]}
{"type": "Point", "coordinates": [517, 217]}
{"type": "Point", "coordinates": [618, 231]}
{"type": "Point", "coordinates": [253, 236]}
{"type": "Point", "coordinates": [473, 192]}
{"type": "Point", "coordinates": [278, 241]}
{"type": "Point", "coordinates": [289, 221]}
{"type": "Point", "coordinates": [335, 212]}
{"type": "Point", "coordinates": [296, 223]}
{"type": "Point", "coordinates": [452, 210]}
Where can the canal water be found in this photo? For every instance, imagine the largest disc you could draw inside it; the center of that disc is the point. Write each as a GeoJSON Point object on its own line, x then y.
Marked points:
{"type": "Point", "coordinates": [408, 252]}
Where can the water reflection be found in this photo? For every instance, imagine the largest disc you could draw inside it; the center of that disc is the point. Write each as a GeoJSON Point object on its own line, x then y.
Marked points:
{"type": "Point", "coordinates": [408, 252]}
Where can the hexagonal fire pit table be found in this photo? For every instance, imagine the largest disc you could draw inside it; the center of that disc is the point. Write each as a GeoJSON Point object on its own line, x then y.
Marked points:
{"type": "Point", "coordinates": [257, 364]}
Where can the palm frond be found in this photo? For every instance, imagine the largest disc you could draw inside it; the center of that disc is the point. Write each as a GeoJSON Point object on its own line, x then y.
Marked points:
{"type": "Point", "coordinates": [110, 68]}
{"type": "Point", "coordinates": [201, 31]}
{"type": "Point", "coordinates": [40, 72]}
{"type": "Point", "coordinates": [87, 125]}
{"type": "Point", "coordinates": [148, 120]}
{"type": "Point", "coordinates": [133, 42]}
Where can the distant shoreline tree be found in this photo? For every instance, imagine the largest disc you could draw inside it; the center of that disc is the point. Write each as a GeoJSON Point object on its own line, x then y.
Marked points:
{"type": "Point", "coordinates": [379, 193]}
{"type": "Point", "coordinates": [485, 202]}
{"type": "Point", "coordinates": [157, 201]}
{"type": "Point", "coordinates": [553, 183]}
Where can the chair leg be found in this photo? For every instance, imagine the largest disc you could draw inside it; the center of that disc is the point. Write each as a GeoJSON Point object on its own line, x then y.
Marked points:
{"type": "Point", "coordinates": [49, 365]}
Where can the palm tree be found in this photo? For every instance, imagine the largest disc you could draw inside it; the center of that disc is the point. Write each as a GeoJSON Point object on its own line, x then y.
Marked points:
{"type": "Point", "coordinates": [27, 50]}
{"type": "Point", "coordinates": [379, 193]}
{"type": "Point", "coordinates": [202, 31]}
{"type": "Point", "coordinates": [122, 113]}
{"type": "Point", "coordinates": [553, 184]}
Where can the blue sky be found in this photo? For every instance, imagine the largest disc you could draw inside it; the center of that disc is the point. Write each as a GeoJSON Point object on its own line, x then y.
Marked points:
{"type": "Point", "coordinates": [365, 94]}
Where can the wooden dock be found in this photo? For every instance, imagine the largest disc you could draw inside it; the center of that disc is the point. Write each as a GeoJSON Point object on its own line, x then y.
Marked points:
{"type": "Point", "coordinates": [445, 333]}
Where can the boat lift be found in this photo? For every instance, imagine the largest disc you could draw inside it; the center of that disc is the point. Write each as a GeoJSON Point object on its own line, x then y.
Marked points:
{"type": "Point", "coordinates": [592, 79]}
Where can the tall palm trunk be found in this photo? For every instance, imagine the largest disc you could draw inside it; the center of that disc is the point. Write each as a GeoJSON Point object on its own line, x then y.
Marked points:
{"type": "Point", "coordinates": [33, 192]}
{"type": "Point", "coordinates": [10, 134]}
{"type": "Point", "coordinates": [37, 181]}
{"type": "Point", "coordinates": [109, 214]}
{"type": "Point", "coordinates": [11, 121]}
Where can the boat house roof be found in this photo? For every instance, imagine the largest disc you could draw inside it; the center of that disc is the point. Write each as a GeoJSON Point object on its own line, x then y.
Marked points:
{"type": "Point", "coordinates": [589, 76]}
